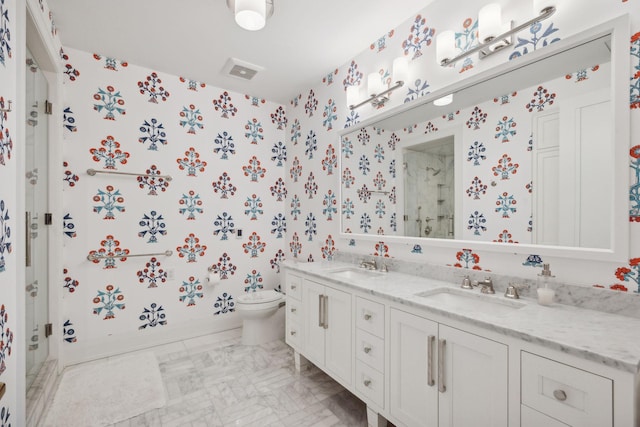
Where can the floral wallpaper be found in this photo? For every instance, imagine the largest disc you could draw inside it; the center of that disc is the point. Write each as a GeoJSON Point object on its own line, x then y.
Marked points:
{"type": "Point", "coordinates": [207, 186]}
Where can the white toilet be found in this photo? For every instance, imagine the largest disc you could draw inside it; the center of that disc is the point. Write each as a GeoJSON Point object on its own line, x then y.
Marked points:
{"type": "Point", "coordinates": [262, 316]}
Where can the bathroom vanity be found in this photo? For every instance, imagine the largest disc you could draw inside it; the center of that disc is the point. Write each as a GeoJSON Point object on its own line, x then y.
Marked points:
{"type": "Point", "coordinates": [423, 352]}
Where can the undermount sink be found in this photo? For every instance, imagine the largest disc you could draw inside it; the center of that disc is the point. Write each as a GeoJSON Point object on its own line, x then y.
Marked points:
{"type": "Point", "coordinates": [355, 273]}
{"type": "Point", "coordinates": [469, 301]}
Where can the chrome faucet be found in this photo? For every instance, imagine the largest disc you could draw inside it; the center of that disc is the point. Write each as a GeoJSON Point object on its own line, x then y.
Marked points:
{"type": "Point", "coordinates": [486, 286]}
{"type": "Point", "coordinates": [369, 265]}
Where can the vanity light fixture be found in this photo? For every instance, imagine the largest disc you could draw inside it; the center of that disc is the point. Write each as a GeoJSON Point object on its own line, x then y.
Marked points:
{"type": "Point", "coordinates": [375, 87]}
{"type": "Point", "coordinates": [251, 14]}
{"type": "Point", "coordinates": [493, 34]}
{"type": "Point", "coordinates": [445, 100]}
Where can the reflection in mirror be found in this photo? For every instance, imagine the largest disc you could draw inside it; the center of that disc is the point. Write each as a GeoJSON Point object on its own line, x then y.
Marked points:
{"type": "Point", "coordinates": [525, 157]}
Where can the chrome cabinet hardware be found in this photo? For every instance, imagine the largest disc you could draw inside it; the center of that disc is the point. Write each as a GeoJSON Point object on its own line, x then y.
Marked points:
{"type": "Point", "coordinates": [27, 239]}
{"type": "Point", "coordinates": [430, 341]}
{"type": "Point", "coordinates": [293, 310]}
{"type": "Point", "coordinates": [367, 383]}
{"type": "Point", "coordinates": [320, 310]}
{"type": "Point", "coordinates": [441, 377]}
{"type": "Point", "coordinates": [561, 395]}
{"type": "Point", "coordinates": [326, 311]}
{"type": "Point", "coordinates": [367, 350]}
{"type": "Point", "coordinates": [293, 287]}
{"type": "Point", "coordinates": [293, 332]}
{"type": "Point", "coordinates": [367, 316]}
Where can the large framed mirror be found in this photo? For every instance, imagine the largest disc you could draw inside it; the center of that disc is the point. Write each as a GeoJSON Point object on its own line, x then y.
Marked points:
{"type": "Point", "coordinates": [527, 157]}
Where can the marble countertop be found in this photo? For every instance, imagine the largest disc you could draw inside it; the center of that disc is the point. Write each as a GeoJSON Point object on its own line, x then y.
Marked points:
{"type": "Point", "coordinates": [605, 338]}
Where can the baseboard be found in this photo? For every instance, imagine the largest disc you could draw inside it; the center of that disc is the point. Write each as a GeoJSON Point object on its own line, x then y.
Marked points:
{"type": "Point", "coordinates": [92, 349]}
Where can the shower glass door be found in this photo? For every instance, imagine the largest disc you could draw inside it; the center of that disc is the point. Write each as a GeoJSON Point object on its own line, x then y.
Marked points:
{"type": "Point", "coordinates": [36, 204]}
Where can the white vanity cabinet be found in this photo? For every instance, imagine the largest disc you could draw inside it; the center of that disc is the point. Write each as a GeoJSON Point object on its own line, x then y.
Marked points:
{"type": "Point", "coordinates": [442, 376]}
{"type": "Point", "coordinates": [328, 329]}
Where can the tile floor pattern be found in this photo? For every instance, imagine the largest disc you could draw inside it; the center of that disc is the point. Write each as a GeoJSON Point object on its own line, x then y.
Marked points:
{"type": "Point", "coordinates": [223, 383]}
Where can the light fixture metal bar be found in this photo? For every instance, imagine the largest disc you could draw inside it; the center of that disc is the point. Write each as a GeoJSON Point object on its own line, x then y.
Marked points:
{"type": "Point", "coordinates": [92, 172]}
{"type": "Point", "coordinates": [544, 14]}
{"type": "Point", "coordinates": [378, 98]}
{"type": "Point", "coordinates": [95, 257]}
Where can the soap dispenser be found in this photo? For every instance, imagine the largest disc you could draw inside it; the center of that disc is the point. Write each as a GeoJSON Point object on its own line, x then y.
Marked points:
{"type": "Point", "coordinates": [545, 295]}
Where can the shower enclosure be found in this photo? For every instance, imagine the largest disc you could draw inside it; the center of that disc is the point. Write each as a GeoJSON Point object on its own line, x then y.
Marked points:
{"type": "Point", "coordinates": [429, 178]}
{"type": "Point", "coordinates": [36, 208]}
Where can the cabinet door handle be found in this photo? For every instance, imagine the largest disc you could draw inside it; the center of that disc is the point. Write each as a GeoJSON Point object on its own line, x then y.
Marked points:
{"type": "Point", "coordinates": [367, 316]}
{"type": "Point", "coordinates": [367, 350]}
{"type": "Point", "coordinates": [430, 380]}
{"type": "Point", "coordinates": [293, 287]}
{"type": "Point", "coordinates": [320, 310]}
{"type": "Point", "coordinates": [293, 332]}
{"type": "Point", "coordinates": [561, 395]}
{"type": "Point", "coordinates": [367, 383]}
{"type": "Point", "coordinates": [27, 238]}
{"type": "Point", "coordinates": [441, 349]}
{"type": "Point", "coordinates": [326, 311]}
{"type": "Point", "coordinates": [293, 310]}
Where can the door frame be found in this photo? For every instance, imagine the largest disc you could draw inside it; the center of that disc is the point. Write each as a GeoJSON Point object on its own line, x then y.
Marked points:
{"type": "Point", "coordinates": [35, 30]}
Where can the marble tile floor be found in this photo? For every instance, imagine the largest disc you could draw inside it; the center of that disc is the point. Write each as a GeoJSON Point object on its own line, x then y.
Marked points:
{"type": "Point", "coordinates": [214, 381]}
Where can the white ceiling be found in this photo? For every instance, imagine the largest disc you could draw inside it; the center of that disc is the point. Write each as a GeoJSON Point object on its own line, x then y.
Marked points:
{"type": "Point", "coordinates": [303, 40]}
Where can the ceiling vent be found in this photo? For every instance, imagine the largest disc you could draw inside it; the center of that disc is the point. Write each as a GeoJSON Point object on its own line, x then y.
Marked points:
{"type": "Point", "coordinates": [240, 69]}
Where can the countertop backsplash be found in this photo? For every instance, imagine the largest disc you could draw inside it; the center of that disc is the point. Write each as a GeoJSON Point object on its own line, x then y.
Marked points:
{"type": "Point", "coordinates": [621, 303]}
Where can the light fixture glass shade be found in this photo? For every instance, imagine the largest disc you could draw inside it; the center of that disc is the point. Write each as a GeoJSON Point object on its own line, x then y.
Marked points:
{"type": "Point", "coordinates": [540, 5]}
{"type": "Point", "coordinates": [251, 14]}
{"type": "Point", "coordinates": [374, 84]}
{"type": "Point", "coordinates": [445, 46]}
{"type": "Point", "coordinates": [445, 100]}
{"type": "Point", "coordinates": [353, 95]}
{"type": "Point", "coordinates": [400, 69]}
{"type": "Point", "coordinates": [489, 22]}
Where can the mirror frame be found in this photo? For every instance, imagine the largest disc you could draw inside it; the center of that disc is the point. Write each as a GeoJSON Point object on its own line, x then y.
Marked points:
{"type": "Point", "coordinates": [619, 29]}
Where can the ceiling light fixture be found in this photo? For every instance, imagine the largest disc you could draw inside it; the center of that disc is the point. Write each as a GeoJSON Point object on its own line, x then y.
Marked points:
{"type": "Point", "coordinates": [251, 14]}
{"type": "Point", "coordinates": [493, 34]}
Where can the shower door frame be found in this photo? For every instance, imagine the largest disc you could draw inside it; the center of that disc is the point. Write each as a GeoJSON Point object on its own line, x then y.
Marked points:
{"type": "Point", "coordinates": [34, 31]}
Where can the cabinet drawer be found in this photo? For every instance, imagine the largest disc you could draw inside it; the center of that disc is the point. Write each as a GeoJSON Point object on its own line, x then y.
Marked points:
{"type": "Point", "coordinates": [294, 286]}
{"type": "Point", "coordinates": [293, 334]}
{"type": "Point", "coordinates": [294, 310]}
{"type": "Point", "coordinates": [568, 394]}
{"type": "Point", "coordinates": [370, 383]}
{"type": "Point", "coordinates": [370, 316]}
{"type": "Point", "coordinates": [370, 349]}
{"type": "Point", "coordinates": [531, 418]}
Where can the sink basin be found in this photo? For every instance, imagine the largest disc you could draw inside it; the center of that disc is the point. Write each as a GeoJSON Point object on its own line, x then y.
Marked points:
{"type": "Point", "coordinates": [355, 273]}
{"type": "Point", "coordinates": [462, 301]}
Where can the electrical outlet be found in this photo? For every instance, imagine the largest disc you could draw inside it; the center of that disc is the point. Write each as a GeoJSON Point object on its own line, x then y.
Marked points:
{"type": "Point", "coordinates": [239, 233]}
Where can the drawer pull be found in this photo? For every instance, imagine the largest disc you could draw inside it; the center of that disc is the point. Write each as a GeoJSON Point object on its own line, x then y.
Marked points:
{"type": "Point", "coordinates": [367, 383]}
{"type": "Point", "coordinates": [293, 287]}
{"type": "Point", "coordinates": [367, 350]}
{"type": "Point", "coordinates": [367, 316]}
{"type": "Point", "coordinates": [293, 310]}
{"type": "Point", "coordinates": [561, 395]}
{"type": "Point", "coordinates": [293, 332]}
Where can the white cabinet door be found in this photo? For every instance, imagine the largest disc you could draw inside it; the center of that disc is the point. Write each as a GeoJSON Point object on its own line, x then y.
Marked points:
{"type": "Point", "coordinates": [338, 338]}
{"type": "Point", "coordinates": [312, 294]}
{"type": "Point", "coordinates": [414, 400]}
{"type": "Point", "coordinates": [475, 380]}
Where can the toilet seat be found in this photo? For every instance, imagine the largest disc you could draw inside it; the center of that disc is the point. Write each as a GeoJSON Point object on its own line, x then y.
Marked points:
{"type": "Point", "coordinates": [259, 300]}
